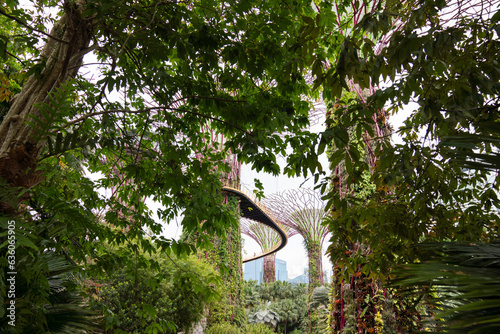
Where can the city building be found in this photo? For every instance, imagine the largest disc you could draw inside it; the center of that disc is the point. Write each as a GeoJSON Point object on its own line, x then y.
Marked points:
{"type": "Point", "coordinates": [254, 270]}
{"type": "Point", "coordinates": [304, 278]}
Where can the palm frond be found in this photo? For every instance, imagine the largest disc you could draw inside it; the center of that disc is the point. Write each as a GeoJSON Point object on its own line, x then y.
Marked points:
{"type": "Point", "coordinates": [461, 282]}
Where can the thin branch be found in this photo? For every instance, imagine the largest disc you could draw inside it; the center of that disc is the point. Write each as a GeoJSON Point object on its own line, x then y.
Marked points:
{"type": "Point", "coordinates": [88, 64]}
{"type": "Point", "coordinates": [2, 12]}
{"type": "Point", "coordinates": [213, 98]}
{"type": "Point", "coordinates": [14, 56]}
{"type": "Point", "coordinates": [147, 110]}
{"type": "Point", "coordinates": [141, 29]}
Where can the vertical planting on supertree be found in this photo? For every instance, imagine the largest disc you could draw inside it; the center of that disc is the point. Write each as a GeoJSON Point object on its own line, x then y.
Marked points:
{"type": "Point", "coordinates": [303, 210]}
{"type": "Point", "coordinates": [267, 239]}
{"type": "Point", "coordinates": [225, 255]}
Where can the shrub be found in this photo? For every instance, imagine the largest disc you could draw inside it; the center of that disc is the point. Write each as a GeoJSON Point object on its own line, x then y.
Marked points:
{"type": "Point", "coordinates": [259, 329]}
{"type": "Point", "coordinates": [167, 301]}
{"type": "Point", "coordinates": [296, 331]}
{"type": "Point", "coordinates": [224, 328]}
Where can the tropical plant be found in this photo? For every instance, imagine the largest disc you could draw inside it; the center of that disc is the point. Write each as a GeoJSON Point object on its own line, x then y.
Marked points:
{"type": "Point", "coordinates": [168, 300]}
{"type": "Point", "coordinates": [320, 297]}
{"type": "Point", "coordinates": [289, 312]}
{"type": "Point", "coordinates": [288, 301]}
{"type": "Point", "coordinates": [267, 317]}
{"type": "Point", "coordinates": [252, 295]}
{"type": "Point", "coordinates": [227, 328]}
{"type": "Point", "coordinates": [431, 60]}
{"type": "Point", "coordinates": [258, 329]}
{"type": "Point", "coordinates": [460, 284]}
{"type": "Point", "coordinates": [223, 328]}
{"type": "Point", "coordinates": [423, 190]}
{"type": "Point", "coordinates": [41, 287]}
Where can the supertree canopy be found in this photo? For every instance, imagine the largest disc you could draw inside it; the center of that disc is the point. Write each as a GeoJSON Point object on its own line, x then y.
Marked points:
{"type": "Point", "coordinates": [268, 240]}
{"type": "Point", "coordinates": [303, 210]}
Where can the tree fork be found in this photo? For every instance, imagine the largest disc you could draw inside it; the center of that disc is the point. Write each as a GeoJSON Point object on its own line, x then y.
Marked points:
{"type": "Point", "coordinates": [19, 151]}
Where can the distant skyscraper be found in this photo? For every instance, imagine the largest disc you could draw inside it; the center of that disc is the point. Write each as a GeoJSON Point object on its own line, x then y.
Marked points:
{"type": "Point", "coordinates": [304, 278]}
{"type": "Point", "coordinates": [281, 272]}
{"type": "Point", "coordinates": [268, 239]}
{"type": "Point", "coordinates": [254, 270]}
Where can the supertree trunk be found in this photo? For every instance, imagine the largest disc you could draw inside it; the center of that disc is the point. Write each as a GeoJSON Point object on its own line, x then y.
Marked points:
{"type": "Point", "coordinates": [357, 304]}
{"type": "Point", "coordinates": [269, 268]}
{"type": "Point", "coordinates": [303, 210]}
{"type": "Point", "coordinates": [268, 239]}
{"type": "Point", "coordinates": [315, 257]}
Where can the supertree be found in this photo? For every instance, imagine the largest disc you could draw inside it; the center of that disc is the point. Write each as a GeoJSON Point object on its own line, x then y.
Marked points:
{"type": "Point", "coordinates": [303, 210]}
{"type": "Point", "coordinates": [359, 303]}
{"type": "Point", "coordinates": [268, 240]}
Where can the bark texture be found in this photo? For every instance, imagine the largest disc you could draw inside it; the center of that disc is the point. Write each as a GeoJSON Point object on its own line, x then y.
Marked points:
{"type": "Point", "coordinates": [19, 151]}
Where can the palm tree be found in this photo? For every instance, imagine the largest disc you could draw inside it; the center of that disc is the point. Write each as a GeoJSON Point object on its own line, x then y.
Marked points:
{"type": "Point", "coordinates": [252, 294]}
{"type": "Point", "coordinates": [46, 278]}
{"type": "Point", "coordinates": [287, 311]}
{"type": "Point", "coordinates": [461, 281]}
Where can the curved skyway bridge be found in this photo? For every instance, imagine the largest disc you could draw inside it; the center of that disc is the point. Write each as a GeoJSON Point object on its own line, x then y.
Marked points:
{"type": "Point", "coordinates": [251, 208]}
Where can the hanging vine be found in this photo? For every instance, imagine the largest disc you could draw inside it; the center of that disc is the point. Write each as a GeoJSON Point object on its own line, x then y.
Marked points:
{"type": "Point", "coordinates": [359, 304]}
{"type": "Point", "coordinates": [226, 256]}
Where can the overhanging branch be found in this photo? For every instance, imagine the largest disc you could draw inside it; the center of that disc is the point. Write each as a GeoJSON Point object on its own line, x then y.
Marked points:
{"type": "Point", "coordinates": [148, 110]}
{"type": "Point", "coordinates": [2, 12]}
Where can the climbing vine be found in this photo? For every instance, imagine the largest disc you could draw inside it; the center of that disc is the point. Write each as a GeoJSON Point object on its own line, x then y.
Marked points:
{"type": "Point", "coordinates": [269, 268]}
{"type": "Point", "coordinates": [226, 256]}
{"type": "Point", "coordinates": [359, 303]}
{"type": "Point", "coordinates": [362, 305]}
{"type": "Point", "coordinates": [315, 267]}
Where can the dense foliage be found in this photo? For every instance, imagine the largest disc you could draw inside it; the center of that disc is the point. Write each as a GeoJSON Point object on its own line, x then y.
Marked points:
{"type": "Point", "coordinates": [435, 64]}
{"type": "Point", "coordinates": [226, 328]}
{"type": "Point", "coordinates": [117, 104]}
{"type": "Point", "coordinates": [289, 304]}
{"type": "Point", "coordinates": [462, 285]}
{"type": "Point", "coordinates": [131, 92]}
{"type": "Point", "coordinates": [51, 304]}
{"type": "Point", "coordinates": [226, 255]}
{"type": "Point", "coordinates": [169, 300]}
{"type": "Point", "coordinates": [423, 192]}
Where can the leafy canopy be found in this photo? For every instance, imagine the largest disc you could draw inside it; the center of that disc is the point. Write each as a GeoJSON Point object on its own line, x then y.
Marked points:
{"type": "Point", "coordinates": [436, 184]}
{"type": "Point", "coordinates": [130, 106]}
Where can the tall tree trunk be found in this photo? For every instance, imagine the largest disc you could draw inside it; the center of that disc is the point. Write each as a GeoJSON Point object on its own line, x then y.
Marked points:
{"type": "Point", "coordinates": [315, 265]}
{"type": "Point", "coordinates": [64, 53]}
{"type": "Point", "coordinates": [269, 268]}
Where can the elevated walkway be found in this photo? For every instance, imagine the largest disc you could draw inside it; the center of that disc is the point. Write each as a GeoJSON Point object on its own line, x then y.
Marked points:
{"type": "Point", "coordinates": [251, 208]}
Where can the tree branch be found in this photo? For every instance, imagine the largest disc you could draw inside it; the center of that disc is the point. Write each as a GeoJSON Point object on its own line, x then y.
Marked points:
{"type": "Point", "coordinates": [31, 28]}
{"type": "Point", "coordinates": [16, 57]}
{"type": "Point", "coordinates": [213, 98]}
{"type": "Point", "coordinates": [147, 110]}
